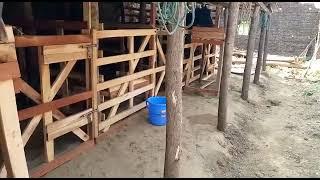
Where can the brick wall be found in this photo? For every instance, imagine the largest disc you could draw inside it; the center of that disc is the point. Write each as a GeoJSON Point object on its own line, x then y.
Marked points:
{"type": "Point", "coordinates": [292, 28]}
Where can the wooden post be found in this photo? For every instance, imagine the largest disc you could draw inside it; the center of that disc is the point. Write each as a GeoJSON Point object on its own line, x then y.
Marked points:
{"type": "Point", "coordinates": [260, 54]}
{"type": "Point", "coordinates": [174, 68]}
{"type": "Point", "coordinates": [153, 12]}
{"type": "Point", "coordinates": [226, 67]}
{"type": "Point", "coordinates": [265, 51]}
{"type": "Point", "coordinates": [143, 13]}
{"type": "Point", "coordinates": [221, 52]}
{"type": "Point", "coordinates": [250, 50]}
{"type": "Point", "coordinates": [10, 134]}
{"type": "Point", "coordinates": [45, 94]}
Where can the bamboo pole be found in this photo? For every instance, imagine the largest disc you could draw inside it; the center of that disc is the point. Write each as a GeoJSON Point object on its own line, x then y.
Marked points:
{"type": "Point", "coordinates": [226, 66]}
{"type": "Point", "coordinates": [260, 55]}
{"type": "Point", "coordinates": [174, 66]}
{"type": "Point", "coordinates": [250, 50]}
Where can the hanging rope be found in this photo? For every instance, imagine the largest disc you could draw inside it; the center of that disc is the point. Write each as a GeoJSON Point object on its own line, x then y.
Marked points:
{"type": "Point", "coordinates": [167, 13]}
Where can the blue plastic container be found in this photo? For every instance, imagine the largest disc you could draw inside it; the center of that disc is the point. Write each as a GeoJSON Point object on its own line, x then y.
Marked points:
{"type": "Point", "coordinates": [156, 106]}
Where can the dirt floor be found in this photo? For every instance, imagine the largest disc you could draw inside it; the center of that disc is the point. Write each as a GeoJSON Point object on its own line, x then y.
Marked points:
{"type": "Point", "coordinates": [275, 134]}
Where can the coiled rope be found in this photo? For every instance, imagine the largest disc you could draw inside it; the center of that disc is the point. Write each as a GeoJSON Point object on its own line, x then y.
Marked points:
{"type": "Point", "coordinates": [167, 13]}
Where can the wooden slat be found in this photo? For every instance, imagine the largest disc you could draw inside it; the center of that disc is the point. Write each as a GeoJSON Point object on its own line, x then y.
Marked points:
{"type": "Point", "coordinates": [61, 159]}
{"type": "Point", "coordinates": [124, 57]}
{"type": "Point", "coordinates": [61, 78]}
{"type": "Point", "coordinates": [28, 131]}
{"type": "Point", "coordinates": [121, 115]}
{"type": "Point", "coordinates": [10, 134]}
{"type": "Point", "coordinates": [159, 82]}
{"type": "Point", "coordinates": [68, 124]}
{"type": "Point", "coordinates": [124, 97]}
{"type": "Point", "coordinates": [62, 53]}
{"type": "Point", "coordinates": [207, 41]}
{"type": "Point", "coordinates": [125, 33]}
{"type": "Point", "coordinates": [29, 41]}
{"type": "Point", "coordinates": [160, 51]}
{"type": "Point", "coordinates": [53, 105]}
{"type": "Point", "coordinates": [117, 81]}
{"type": "Point", "coordinates": [9, 70]}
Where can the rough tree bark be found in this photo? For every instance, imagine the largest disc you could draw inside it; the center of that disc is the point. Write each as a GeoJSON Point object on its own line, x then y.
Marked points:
{"type": "Point", "coordinates": [260, 55]}
{"type": "Point", "coordinates": [265, 54]}
{"type": "Point", "coordinates": [174, 99]}
{"type": "Point", "coordinates": [218, 78]}
{"type": "Point", "coordinates": [250, 50]}
{"type": "Point", "coordinates": [226, 67]}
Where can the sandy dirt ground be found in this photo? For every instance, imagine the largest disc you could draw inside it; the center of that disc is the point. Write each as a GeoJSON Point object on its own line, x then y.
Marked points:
{"type": "Point", "coordinates": [274, 134]}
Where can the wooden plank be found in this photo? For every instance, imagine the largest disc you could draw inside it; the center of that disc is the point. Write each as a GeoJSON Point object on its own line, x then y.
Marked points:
{"type": "Point", "coordinates": [9, 70]}
{"type": "Point", "coordinates": [68, 124]}
{"type": "Point", "coordinates": [28, 131]}
{"type": "Point", "coordinates": [207, 41]}
{"type": "Point", "coordinates": [117, 81]}
{"type": "Point", "coordinates": [40, 40]}
{"type": "Point", "coordinates": [45, 94]}
{"type": "Point", "coordinates": [160, 51]}
{"type": "Point", "coordinates": [125, 33]}
{"type": "Point", "coordinates": [121, 115]}
{"type": "Point", "coordinates": [7, 53]}
{"type": "Point", "coordinates": [61, 159]}
{"type": "Point", "coordinates": [10, 134]}
{"type": "Point", "coordinates": [159, 82]}
{"type": "Point", "coordinates": [124, 97]}
{"type": "Point", "coordinates": [124, 57]}
{"type": "Point", "coordinates": [61, 53]}
{"type": "Point", "coordinates": [61, 78]}
{"type": "Point", "coordinates": [94, 84]}
{"type": "Point", "coordinates": [53, 105]}
{"type": "Point", "coordinates": [130, 46]}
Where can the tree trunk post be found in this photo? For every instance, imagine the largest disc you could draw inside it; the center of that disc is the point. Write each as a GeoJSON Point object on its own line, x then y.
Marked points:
{"type": "Point", "coordinates": [260, 54]}
{"type": "Point", "coordinates": [173, 87]}
{"type": "Point", "coordinates": [250, 50]}
{"type": "Point", "coordinates": [265, 51]}
{"type": "Point", "coordinates": [221, 52]}
{"type": "Point", "coordinates": [226, 66]}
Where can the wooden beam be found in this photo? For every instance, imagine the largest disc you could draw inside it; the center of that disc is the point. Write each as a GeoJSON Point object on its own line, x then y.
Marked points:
{"type": "Point", "coordinates": [117, 81]}
{"type": "Point", "coordinates": [68, 124]}
{"type": "Point", "coordinates": [224, 98]}
{"type": "Point", "coordinates": [125, 33]}
{"type": "Point", "coordinates": [53, 105]}
{"type": "Point", "coordinates": [250, 49]}
{"type": "Point", "coordinates": [9, 70]}
{"type": "Point", "coordinates": [10, 134]}
{"type": "Point", "coordinates": [40, 40]}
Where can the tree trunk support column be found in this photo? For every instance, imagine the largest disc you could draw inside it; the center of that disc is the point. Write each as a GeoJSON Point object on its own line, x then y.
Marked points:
{"type": "Point", "coordinates": [174, 66]}
{"type": "Point", "coordinates": [250, 50]}
{"type": "Point", "coordinates": [226, 65]}
{"type": "Point", "coordinates": [265, 52]}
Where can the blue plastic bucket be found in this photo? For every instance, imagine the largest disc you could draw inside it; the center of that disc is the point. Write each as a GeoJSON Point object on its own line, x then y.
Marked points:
{"type": "Point", "coordinates": [156, 106]}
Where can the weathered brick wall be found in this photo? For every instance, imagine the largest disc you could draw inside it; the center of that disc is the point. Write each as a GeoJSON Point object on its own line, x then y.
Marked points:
{"type": "Point", "coordinates": [292, 28]}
